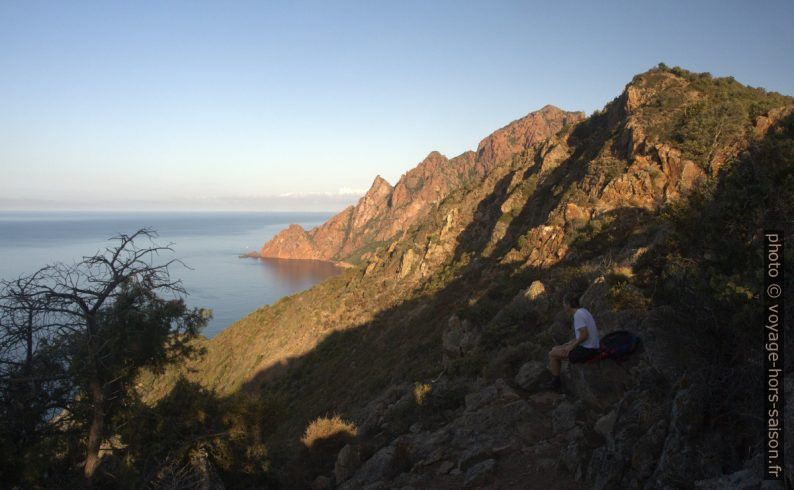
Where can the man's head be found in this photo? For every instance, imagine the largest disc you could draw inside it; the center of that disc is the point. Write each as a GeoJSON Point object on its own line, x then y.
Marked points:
{"type": "Point", "coordinates": [571, 302]}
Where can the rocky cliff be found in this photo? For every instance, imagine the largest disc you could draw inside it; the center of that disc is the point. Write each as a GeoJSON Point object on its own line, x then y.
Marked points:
{"type": "Point", "coordinates": [384, 211]}
{"type": "Point", "coordinates": [434, 347]}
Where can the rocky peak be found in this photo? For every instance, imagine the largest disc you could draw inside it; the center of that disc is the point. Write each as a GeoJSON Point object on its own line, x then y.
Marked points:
{"type": "Point", "coordinates": [524, 132]}
{"type": "Point", "coordinates": [646, 86]}
{"type": "Point", "coordinates": [373, 203]}
{"type": "Point", "coordinates": [433, 158]}
{"type": "Point", "coordinates": [380, 186]}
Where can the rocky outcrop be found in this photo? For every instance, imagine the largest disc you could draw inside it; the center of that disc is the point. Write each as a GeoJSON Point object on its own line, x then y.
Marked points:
{"type": "Point", "coordinates": [293, 242]}
{"type": "Point", "coordinates": [488, 438]}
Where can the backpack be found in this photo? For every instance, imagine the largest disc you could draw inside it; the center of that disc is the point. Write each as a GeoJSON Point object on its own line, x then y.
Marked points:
{"type": "Point", "coordinates": [617, 345]}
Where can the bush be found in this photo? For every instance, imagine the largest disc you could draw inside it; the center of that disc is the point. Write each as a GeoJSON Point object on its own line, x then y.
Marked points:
{"type": "Point", "coordinates": [327, 427]}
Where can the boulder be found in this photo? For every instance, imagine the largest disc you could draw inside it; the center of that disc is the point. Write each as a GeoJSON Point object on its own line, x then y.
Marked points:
{"type": "Point", "coordinates": [532, 376]}
{"type": "Point", "coordinates": [605, 424]}
{"type": "Point", "coordinates": [563, 418]}
{"type": "Point", "coordinates": [684, 451]}
{"type": "Point", "coordinates": [536, 296]}
{"type": "Point", "coordinates": [535, 291]}
{"type": "Point", "coordinates": [322, 483]}
{"type": "Point", "coordinates": [445, 467]}
{"type": "Point", "coordinates": [347, 462]}
{"type": "Point", "coordinates": [480, 474]}
{"type": "Point", "coordinates": [605, 469]}
{"type": "Point", "coordinates": [599, 385]}
{"type": "Point", "coordinates": [474, 456]}
{"type": "Point", "coordinates": [377, 468]}
{"type": "Point", "coordinates": [574, 453]}
{"type": "Point", "coordinates": [497, 392]}
{"type": "Point", "coordinates": [458, 339]}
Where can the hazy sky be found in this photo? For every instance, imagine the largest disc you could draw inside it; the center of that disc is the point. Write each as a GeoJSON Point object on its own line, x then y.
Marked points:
{"type": "Point", "coordinates": [212, 105]}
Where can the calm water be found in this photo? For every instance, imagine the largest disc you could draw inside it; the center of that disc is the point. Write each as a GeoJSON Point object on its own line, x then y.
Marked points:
{"type": "Point", "coordinates": [209, 243]}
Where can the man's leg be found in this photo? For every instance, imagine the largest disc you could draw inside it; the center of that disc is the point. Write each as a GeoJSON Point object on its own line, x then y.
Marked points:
{"type": "Point", "coordinates": [556, 355]}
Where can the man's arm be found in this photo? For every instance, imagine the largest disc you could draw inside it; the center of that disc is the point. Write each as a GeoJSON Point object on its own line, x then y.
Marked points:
{"type": "Point", "coordinates": [578, 340]}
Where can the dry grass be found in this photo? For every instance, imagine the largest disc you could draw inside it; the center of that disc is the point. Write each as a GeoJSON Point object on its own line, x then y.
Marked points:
{"type": "Point", "coordinates": [421, 390]}
{"type": "Point", "coordinates": [323, 428]}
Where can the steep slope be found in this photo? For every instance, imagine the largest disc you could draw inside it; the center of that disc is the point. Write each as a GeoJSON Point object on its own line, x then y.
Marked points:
{"type": "Point", "coordinates": [425, 345]}
{"type": "Point", "coordinates": [385, 211]}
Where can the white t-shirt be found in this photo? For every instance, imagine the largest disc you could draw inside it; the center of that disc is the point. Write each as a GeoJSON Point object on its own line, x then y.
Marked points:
{"type": "Point", "coordinates": [583, 318]}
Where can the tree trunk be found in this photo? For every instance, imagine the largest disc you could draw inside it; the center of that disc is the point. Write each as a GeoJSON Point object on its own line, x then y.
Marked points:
{"type": "Point", "coordinates": [95, 430]}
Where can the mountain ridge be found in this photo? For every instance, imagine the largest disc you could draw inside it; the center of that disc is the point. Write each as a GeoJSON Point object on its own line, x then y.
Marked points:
{"type": "Point", "coordinates": [384, 210]}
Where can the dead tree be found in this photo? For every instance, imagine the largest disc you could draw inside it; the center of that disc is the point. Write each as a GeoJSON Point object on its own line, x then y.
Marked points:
{"type": "Point", "coordinates": [104, 319]}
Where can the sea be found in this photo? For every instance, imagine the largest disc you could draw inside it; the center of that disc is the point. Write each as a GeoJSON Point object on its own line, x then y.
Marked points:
{"type": "Point", "coordinates": [210, 245]}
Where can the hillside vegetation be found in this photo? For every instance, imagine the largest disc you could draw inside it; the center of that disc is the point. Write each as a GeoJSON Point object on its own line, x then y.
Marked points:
{"type": "Point", "coordinates": [420, 366]}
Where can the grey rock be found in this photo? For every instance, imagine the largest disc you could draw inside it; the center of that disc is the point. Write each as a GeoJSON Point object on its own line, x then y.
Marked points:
{"type": "Point", "coordinates": [563, 418]}
{"type": "Point", "coordinates": [458, 339]}
{"type": "Point", "coordinates": [435, 456]}
{"type": "Point", "coordinates": [474, 456]}
{"type": "Point", "coordinates": [375, 469]}
{"type": "Point", "coordinates": [499, 392]}
{"type": "Point", "coordinates": [532, 376]}
{"type": "Point", "coordinates": [599, 385]}
{"type": "Point", "coordinates": [322, 483]}
{"type": "Point", "coordinates": [645, 451]}
{"type": "Point", "coordinates": [605, 469]}
{"type": "Point", "coordinates": [740, 480]}
{"type": "Point", "coordinates": [445, 467]}
{"type": "Point", "coordinates": [480, 474]}
{"type": "Point", "coordinates": [605, 424]}
{"type": "Point", "coordinates": [574, 453]}
{"type": "Point", "coordinates": [347, 462]}
{"type": "Point", "coordinates": [479, 399]}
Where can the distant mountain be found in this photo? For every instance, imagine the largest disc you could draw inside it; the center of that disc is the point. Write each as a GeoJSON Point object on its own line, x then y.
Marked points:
{"type": "Point", "coordinates": [423, 364]}
{"type": "Point", "coordinates": [384, 211]}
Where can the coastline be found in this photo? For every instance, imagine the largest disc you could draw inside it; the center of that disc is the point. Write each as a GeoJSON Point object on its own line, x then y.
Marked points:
{"type": "Point", "coordinates": [257, 255]}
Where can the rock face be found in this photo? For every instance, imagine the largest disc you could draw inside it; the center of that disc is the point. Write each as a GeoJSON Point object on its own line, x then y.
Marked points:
{"type": "Point", "coordinates": [385, 211]}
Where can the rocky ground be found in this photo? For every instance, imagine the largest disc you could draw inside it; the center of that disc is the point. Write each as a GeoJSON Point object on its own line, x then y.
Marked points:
{"type": "Point", "coordinates": [617, 424]}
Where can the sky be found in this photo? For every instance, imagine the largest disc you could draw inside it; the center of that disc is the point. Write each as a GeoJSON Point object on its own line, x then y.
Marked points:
{"type": "Point", "coordinates": [196, 105]}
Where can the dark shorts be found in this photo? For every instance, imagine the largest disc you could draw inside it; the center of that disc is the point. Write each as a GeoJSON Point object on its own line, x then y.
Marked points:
{"type": "Point", "coordinates": [582, 354]}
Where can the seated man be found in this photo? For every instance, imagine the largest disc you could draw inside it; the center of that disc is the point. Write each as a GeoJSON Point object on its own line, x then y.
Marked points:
{"type": "Point", "coordinates": [584, 344]}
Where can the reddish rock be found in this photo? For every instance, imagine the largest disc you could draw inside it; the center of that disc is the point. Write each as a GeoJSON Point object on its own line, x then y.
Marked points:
{"type": "Point", "coordinates": [290, 243]}
{"type": "Point", "coordinates": [523, 133]}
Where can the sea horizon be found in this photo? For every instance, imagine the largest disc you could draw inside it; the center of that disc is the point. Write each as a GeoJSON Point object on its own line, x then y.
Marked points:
{"type": "Point", "coordinates": [212, 244]}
